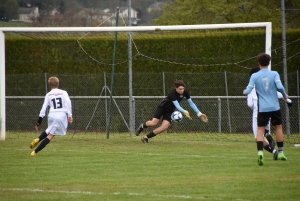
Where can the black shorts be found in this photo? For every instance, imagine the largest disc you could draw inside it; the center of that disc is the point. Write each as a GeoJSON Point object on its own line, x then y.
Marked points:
{"type": "Point", "coordinates": [263, 118]}
{"type": "Point", "coordinates": [164, 113]}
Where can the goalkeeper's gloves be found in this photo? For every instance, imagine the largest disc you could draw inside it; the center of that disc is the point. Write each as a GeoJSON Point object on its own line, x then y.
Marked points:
{"type": "Point", "coordinates": [289, 102]}
{"type": "Point", "coordinates": [203, 117]}
{"type": "Point", "coordinates": [187, 114]}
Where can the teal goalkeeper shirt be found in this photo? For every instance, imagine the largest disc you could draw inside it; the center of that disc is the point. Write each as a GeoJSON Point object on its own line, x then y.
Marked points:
{"type": "Point", "coordinates": [266, 83]}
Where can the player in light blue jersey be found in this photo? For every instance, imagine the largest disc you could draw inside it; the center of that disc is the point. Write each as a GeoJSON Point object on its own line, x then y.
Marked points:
{"type": "Point", "coordinates": [267, 83]}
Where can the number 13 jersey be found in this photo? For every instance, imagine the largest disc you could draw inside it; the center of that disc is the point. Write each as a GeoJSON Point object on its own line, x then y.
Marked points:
{"type": "Point", "coordinates": [59, 101]}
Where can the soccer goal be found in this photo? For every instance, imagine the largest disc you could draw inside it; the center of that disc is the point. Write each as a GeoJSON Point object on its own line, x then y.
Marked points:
{"type": "Point", "coordinates": [89, 50]}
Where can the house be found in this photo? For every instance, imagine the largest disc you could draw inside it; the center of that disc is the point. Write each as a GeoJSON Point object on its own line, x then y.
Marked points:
{"type": "Point", "coordinates": [157, 6]}
{"type": "Point", "coordinates": [94, 16]}
{"type": "Point", "coordinates": [124, 12]}
{"type": "Point", "coordinates": [28, 14]}
{"type": "Point", "coordinates": [53, 12]}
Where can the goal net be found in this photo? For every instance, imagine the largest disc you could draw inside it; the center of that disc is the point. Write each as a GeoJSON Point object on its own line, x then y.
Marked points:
{"type": "Point", "coordinates": [82, 57]}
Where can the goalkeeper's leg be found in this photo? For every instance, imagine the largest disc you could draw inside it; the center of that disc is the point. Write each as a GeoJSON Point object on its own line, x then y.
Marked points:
{"type": "Point", "coordinates": [164, 126]}
{"type": "Point", "coordinates": [140, 129]}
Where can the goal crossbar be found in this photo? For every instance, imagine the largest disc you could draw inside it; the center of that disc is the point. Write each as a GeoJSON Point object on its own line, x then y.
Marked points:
{"type": "Point", "coordinates": [137, 28]}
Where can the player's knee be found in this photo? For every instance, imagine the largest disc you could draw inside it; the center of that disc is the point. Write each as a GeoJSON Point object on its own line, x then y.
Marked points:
{"type": "Point", "coordinates": [152, 123]}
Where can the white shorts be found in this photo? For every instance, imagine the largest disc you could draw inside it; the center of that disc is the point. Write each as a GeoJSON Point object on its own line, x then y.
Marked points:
{"type": "Point", "coordinates": [57, 123]}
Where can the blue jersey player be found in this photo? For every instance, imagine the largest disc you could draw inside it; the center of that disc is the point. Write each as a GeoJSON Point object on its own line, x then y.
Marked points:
{"type": "Point", "coordinates": [267, 83]}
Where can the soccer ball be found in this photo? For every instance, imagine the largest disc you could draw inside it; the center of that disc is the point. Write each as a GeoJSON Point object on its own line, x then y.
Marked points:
{"type": "Point", "coordinates": [176, 116]}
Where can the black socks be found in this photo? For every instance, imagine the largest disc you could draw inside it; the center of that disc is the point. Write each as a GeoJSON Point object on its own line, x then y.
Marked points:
{"type": "Point", "coordinates": [42, 145]}
{"type": "Point", "coordinates": [43, 135]}
{"type": "Point", "coordinates": [144, 125]}
{"type": "Point", "coordinates": [260, 145]}
{"type": "Point", "coordinates": [150, 135]}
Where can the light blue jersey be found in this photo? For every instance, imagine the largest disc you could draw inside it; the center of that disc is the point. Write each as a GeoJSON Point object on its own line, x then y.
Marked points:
{"type": "Point", "coordinates": [266, 83]}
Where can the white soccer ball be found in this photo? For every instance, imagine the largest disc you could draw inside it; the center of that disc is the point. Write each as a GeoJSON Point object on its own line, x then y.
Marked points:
{"type": "Point", "coordinates": [176, 116]}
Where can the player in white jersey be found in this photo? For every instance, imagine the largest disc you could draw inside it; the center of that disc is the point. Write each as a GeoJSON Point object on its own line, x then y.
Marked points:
{"type": "Point", "coordinates": [267, 83]}
{"type": "Point", "coordinates": [269, 143]}
{"type": "Point", "coordinates": [60, 114]}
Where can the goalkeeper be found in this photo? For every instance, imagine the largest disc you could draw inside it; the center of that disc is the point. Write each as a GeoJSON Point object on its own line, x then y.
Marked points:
{"type": "Point", "coordinates": [165, 109]}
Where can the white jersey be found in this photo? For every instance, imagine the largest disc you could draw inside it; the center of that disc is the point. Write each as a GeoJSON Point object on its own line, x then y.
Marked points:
{"type": "Point", "coordinates": [60, 110]}
{"type": "Point", "coordinates": [59, 101]}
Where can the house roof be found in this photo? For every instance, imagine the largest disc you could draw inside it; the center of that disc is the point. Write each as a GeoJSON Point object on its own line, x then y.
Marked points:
{"type": "Point", "coordinates": [95, 11]}
{"type": "Point", "coordinates": [125, 8]}
{"type": "Point", "coordinates": [156, 5]}
{"type": "Point", "coordinates": [23, 10]}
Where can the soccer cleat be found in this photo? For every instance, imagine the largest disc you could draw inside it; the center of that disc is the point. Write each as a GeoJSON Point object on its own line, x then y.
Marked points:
{"type": "Point", "coordinates": [260, 159]}
{"type": "Point", "coordinates": [33, 153]}
{"type": "Point", "coordinates": [139, 130]}
{"type": "Point", "coordinates": [34, 143]}
{"type": "Point", "coordinates": [145, 140]}
{"type": "Point", "coordinates": [275, 155]}
{"type": "Point", "coordinates": [282, 157]}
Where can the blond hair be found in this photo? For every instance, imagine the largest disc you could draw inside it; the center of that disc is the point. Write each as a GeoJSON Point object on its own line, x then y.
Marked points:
{"type": "Point", "coordinates": [53, 82]}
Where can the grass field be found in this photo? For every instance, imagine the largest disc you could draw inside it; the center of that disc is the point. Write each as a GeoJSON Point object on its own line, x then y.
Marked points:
{"type": "Point", "coordinates": [84, 167]}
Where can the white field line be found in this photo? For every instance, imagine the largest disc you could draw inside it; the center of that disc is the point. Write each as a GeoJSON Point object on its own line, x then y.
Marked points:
{"type": "Point", "coordinates": [35, 190]}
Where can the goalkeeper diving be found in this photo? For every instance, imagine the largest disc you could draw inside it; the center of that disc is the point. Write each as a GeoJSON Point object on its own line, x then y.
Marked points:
{"type": "Point", "coordinates": [166, 107]}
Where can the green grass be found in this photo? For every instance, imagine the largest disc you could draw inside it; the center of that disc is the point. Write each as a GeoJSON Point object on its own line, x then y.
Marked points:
{"type": "Point", "coordinates": [86, 167]}
{"type": "Point", "coordinates": [14, 24]}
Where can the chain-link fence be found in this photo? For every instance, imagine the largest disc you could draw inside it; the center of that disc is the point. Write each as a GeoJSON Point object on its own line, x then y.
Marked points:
{"type": "Point", "coordinates": [219, 95]}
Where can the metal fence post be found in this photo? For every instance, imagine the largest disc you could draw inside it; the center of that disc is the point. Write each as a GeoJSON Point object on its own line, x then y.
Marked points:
{"type": "Point", "coordinates": [46, 84]}
{"type": "Point", "coordinates": [106, 108]}
{"type": "Point", "coordinates": [164, 86]}
{"type": "Point", "coordinates": [228, 109]}
{"type": "Point", "coordinates": [133, 113]}
{"type": "Point", "coordinates": [46, 89]}
{"type": "Point", "coordinates": [219, 116]}
{"type": "Point", "coordinates": [298, 101]}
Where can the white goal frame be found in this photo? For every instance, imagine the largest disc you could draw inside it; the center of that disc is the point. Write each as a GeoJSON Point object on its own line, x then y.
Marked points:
{"type": "Point", "coordinates": [267, 25]}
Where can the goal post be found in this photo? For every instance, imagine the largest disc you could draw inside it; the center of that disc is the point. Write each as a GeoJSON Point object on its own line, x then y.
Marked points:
{"type": "Point", "coordinates": [2, 87]}
{"type": "Point", "coordinates": [266, 25]}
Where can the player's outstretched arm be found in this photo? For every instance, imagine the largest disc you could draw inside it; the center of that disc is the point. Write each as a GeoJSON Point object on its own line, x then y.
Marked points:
{"type": "Point", "coordinates": [202, 116]}
{"type": "Point", "coordinates": [178, 107]}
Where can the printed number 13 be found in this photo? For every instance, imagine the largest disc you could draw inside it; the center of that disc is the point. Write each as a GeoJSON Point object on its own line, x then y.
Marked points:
{"type": "Point", "coordinates": [266, 80]}
{"type": "Point", "coordinates": [56, 103]}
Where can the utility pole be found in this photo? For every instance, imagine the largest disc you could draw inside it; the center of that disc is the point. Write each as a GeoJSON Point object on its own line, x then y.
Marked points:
{"type": "Point", "coordinates": [285, 78]}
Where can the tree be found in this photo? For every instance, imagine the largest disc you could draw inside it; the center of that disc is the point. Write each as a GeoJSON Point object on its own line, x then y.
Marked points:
{"type": "Point", "coordinates": [11, 8]}
{"type": "Point", "coordinates": [292, 13]}
{"type": "Point", "coordinates": [184, 12]}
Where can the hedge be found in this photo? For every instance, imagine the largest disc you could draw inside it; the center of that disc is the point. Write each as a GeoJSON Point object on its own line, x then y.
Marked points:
{"type": "Point", "coordinates": [189, 52]}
